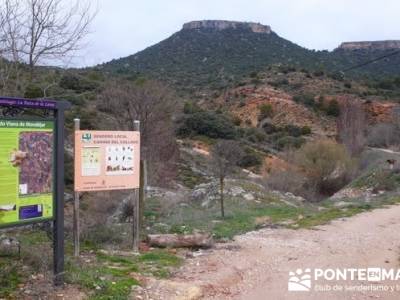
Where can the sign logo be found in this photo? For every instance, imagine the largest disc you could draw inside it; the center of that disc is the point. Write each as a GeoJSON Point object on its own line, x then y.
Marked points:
{"type": "Point", "coordinates": [86, 137]}
{"type": "Point", "coordinates": [300, 280]}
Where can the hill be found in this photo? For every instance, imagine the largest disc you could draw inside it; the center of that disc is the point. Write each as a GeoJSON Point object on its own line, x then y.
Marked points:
{"type": "Point", "coordinates": [214, 54]}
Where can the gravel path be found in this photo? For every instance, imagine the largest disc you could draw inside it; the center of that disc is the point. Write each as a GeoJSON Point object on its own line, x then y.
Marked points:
{"type": "Point", "coordinates": [257, 265]}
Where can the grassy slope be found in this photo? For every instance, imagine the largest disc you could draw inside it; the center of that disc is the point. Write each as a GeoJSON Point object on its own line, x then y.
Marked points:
{"type": "Point", "coordinates": [97, 274]}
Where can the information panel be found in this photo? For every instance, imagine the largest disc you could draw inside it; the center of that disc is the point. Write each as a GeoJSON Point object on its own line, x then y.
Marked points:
{"type": "Point", "coordinates": [26, 171]}
{"type": "Point", "coordinates": [106, 160]}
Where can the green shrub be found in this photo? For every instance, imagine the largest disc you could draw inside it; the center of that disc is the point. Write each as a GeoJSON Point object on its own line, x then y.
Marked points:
{"type": "Point", "coordinates": [347, 85]}
{"type": "Point", "coordinates": [306, 99]}
{"type": "Point", "coordinates": [33, 91]}
{"type": "Point", "coordinates": [265, 111]}
{"type": "Point", "coordinates": [333, 108]}
{"type": "Point", "coordinates": [207, 123]}
{"type": "Point", "coordinates": [189, 107]}
{"type": "Point", "coordinates": [289, 142]}
{"type": "Point", "coordinates": [236, 120]}
{"type": "Point", "coordinates": [253, 135]}
{"type": "Point", "coordinates": [270, 128]}
{"type": "Point", "coordinates": [77, 83]}
{"type": "Point", "coordinates": [250, 158]}
{"type": "Point", "coordinates": [305, 130]}
{"type": "Point", "coordinates": [293, 130]}
{"type": "Point", "coordinates": [327, 165]}
{"type": "Point", "coordinates": [319, 73]}
{"type": "Point", "coordinates": [279, 82]}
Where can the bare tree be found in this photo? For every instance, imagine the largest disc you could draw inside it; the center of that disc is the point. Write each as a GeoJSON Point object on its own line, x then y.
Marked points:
{"type": "Point", "coordinates": [351, 126]}
{"type": "Point", "coordinates": [225, 155]}
{"type": "Point", "coordinates": [10, 44]}
{"type": "Point", "coordinates": [154, 105]}
{"type": "Point", "coordinates": [40, 31]}
{"type": "Point", "coordinates": [384, 135]}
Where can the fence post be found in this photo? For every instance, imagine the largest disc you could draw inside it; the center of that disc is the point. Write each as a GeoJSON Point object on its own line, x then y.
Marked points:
{"type": "Point", "coordinates": [136, 206]}
{"type": "Point", "coordinates": [76, 219]}
{"type": "Point", "coordinates": [142, 190]}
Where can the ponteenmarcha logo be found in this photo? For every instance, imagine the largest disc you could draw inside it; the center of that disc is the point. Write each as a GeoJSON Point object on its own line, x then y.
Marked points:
{"type": "Point", "coordinates": [299, 280]}
{"type": "Point", "coordinates": [86, 137]}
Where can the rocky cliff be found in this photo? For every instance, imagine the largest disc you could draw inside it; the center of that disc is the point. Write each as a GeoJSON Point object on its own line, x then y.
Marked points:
{"type": "Point", "coordinates": [222, 25]}
{"type": "Point", "coordinates": [374, 45]}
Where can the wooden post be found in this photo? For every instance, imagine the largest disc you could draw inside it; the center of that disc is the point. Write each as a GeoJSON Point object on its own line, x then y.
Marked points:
{"type": "Point", "coordinates": [136, 207]}
{"type": "Point", "coordinates": [76, 231]}
{"type": "Point", "coordinates": [141, 192]}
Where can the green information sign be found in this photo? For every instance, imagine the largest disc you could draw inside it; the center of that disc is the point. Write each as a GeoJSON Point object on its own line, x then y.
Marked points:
{"type": "Point", "coordinates": [26, 171]}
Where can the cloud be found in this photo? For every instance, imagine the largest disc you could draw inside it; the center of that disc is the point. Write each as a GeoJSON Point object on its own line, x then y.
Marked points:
{"type": "Point", "coordinates": [124, 27]}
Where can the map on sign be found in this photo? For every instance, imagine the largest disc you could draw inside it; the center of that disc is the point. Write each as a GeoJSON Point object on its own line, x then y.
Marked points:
{"type": "Point", "coordinates": [26, 171]}
{"type": "Point", "coordinates": [107, 160]}
{"type": "Point", "coordinates": [91, 165]}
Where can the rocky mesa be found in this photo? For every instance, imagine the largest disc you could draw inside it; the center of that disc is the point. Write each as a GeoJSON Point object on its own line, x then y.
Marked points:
{"type": "Point", "coordinates": [222, 25]}
{"type": "Point", "coordinates": [371, 45]}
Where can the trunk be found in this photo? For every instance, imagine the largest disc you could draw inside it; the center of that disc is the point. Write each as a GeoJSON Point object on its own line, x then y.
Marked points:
{"type": "Point", "coordinates": [221, 181]}
{"type": "Point", "coordinates": [180, 241]}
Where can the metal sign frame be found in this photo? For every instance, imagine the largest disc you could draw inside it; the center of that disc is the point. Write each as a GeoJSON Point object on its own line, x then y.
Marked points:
{"type": "Point", "coordinates": [42, 219]}
{"type": "Point", "coordinates": [16, 107]}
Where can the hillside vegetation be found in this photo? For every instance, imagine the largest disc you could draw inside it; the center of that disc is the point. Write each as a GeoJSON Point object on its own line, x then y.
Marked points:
{"type": "Point", "coordinates": [209, 57]}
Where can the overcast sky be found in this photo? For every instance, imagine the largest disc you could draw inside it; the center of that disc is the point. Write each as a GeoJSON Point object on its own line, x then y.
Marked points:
{"type": "Point", "coordinates": [124, 27]}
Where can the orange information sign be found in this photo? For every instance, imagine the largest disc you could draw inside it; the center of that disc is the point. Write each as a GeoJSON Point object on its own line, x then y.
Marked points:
{"type": "Point", "coordinates": [106, 160]}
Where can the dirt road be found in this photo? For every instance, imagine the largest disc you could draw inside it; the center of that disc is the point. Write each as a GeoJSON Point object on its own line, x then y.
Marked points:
{"type": "Point", "coordinates": [256, 265]}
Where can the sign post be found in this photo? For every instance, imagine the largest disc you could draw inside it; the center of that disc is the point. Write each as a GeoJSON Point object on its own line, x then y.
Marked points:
{"type": "Point", "coordinates": [108, 160]}
{"type": "Point", "coordinates": [32, 168]}
{"type": "Point", "coordinates": [76, 220]}
{"type": "Point", "coordinates": [136, 207]}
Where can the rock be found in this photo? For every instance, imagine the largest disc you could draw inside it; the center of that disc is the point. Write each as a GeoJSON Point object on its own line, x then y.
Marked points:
{"type": "Point", "coordinates": [349, 193]}
{"type": "Point", "coordinates": [9, 246]}
{"type": "Point", "coordinates": [248, 197]}
{"type": "Point", "coordinates": [198, 253]}
{"type": "Point", "coordinates": [236, 191]}
{"type": "Point", "coordinates": [199, 193]}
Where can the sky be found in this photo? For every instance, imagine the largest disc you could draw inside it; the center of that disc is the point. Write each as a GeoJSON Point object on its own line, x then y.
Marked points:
{"type": "Point", "coordinates": [124, 27]}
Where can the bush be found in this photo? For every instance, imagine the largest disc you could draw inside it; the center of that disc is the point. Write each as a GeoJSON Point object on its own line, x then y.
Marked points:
{"type": "Point", "coordinates": [254, 135]}
{"type": "Point", "coordinates": [279, 82]}
{"type": "Point", "coordinates": [77, 83]}
{"type": "Point", "coordinates": [387, 180]}
{"type": "Point", "coordinates": [101, 234]}
{"type": "Point", "coordinates": [189, 107]}
{"type": "Point", "coordinates": [383, 135]}
{"type": "Point", "coordinates": [288, 142]}
{"type": "Point", "coordinates": [327, 165]}
{"type": "Point", "coordinates": [270, 128]}
{"type": "Point", "coordinates": [319, 73]}
{"type": "Point", "coordinates": [306, 99]}
{"type": "Point", "coordinates": [265, 111]}
{"type": "Point", "coordinates": [347, 85]}
{"type": "Point", "coordinates": [236, 120]}
{"type": "Point", "coordinates": [288, 181]}
{"type": "Point", "coordinates": [250, 159]}
{"type": "Point", "coordinates": [333, 108]}
{"type": "Point", "coordinates": [305, 130]}
{"type": "Point", "coordinates": [33, 91]}
{"type": "Point", "coordinates": [293, 130]}
{"type": "Point", "coordinates": [206, 123]}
